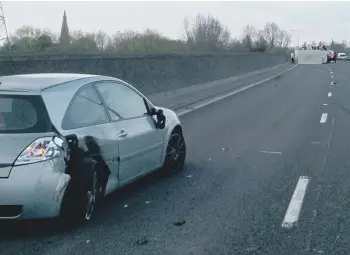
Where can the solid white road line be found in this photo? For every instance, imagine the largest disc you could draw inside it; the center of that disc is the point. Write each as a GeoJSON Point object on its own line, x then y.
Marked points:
{"type": "Point", "coordinates": [324, 118]}
{"type": "Point", "coordinates": [329, 94]}
{"type": "Point", "coordinates": [292, 214]}
{"type": "Point", "coordinates": [271, 152]}
{"type": "Point", "coordinates": [234, 92]}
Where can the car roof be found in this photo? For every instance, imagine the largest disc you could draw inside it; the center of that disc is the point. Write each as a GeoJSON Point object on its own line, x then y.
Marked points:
{"type": "Point", "coordinates": [38, 81]}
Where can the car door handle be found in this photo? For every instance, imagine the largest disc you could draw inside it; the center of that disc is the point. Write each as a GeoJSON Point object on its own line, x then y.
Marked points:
{"type": "Point", "coordinates": [123, 134]}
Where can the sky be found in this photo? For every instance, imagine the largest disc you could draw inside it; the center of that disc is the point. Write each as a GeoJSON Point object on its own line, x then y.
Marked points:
{"type": "Point", "coordinates": [321, 21]}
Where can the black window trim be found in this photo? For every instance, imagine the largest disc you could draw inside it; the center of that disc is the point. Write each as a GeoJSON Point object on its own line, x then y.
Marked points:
{"type": "Point", "coordinates": [73, 99]}
{"type": "Point", "coordinates": [147, 114]}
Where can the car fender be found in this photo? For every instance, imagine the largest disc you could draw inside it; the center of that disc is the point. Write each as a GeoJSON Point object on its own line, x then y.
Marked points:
{"type": "Point", "coordinates": [172, 120]}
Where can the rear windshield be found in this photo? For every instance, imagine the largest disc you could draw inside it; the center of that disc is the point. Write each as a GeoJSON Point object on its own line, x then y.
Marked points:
{"type": "Point", "coordinates": [23, 114]}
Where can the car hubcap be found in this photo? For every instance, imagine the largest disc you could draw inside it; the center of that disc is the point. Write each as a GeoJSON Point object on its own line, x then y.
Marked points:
{"type": "Point", "coordinates": [91, 198]}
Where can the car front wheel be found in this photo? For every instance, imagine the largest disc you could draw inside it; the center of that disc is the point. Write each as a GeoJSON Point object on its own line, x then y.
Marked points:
{"type": "Point", "coordinates": [175, 153]}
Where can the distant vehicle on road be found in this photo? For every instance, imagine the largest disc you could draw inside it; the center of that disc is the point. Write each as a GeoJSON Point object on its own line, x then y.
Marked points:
{"type": "Point", "coordinates": [67, 140]}
{"type": "Point", "coordinates": [341, 56]}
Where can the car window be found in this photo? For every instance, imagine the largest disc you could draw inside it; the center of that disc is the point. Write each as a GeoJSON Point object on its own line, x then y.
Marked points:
{"type": "Point", "coordinates": [121, 100]}
{"type": "Point", "coordinates": [23, 114]}
{"type": "Point", "coordinates": [86, 109]}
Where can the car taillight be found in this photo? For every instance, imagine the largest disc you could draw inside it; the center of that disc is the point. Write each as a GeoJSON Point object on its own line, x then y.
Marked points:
{"type": "Point", "coordinates": [41, 149]}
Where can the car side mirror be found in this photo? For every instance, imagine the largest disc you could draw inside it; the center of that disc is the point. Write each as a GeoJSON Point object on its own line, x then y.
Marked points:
{"type": "Point", "coordinates": [160, 122]}
{"type": "Point", "coordinates": [153, 111]}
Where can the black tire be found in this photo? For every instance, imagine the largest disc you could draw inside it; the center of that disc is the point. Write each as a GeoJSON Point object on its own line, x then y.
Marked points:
{"type": "Point", "coordinates": [175, 153]}
{"type": "Point", "coordinates": [80, 201]}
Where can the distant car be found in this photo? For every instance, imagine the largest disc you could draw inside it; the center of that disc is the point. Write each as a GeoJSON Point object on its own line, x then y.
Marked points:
{"type": "Point", "coordinates": [341, 56]}
{"type": "Point", "coordinates": [67, 140]}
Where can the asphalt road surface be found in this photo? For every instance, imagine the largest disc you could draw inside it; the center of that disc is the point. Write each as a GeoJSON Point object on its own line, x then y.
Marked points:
{"type": "Point", "coordinates": [267, 173]}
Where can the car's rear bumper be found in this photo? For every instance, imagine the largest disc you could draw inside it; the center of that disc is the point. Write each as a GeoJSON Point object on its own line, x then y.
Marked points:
{"type": "Point", "coordinates": [33, 191]}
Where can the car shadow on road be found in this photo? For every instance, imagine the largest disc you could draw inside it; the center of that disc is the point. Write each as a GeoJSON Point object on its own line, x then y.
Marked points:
{"type": "Point", "coordinates": [34, 229]}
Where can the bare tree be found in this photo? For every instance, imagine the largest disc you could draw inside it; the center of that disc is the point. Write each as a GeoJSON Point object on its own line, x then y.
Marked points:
{"type": "Point", "coordinates": [260, 44]}
{"type": "Point", "coordinates": [272, 34]}
{"type": "Point", "coordinates": [249, 36]}
{"type": "Point", "coordinates": [101, 40]}
{"type": "Point", "coordinates": [207, 33]}
{"type": "Point", "coordinates": [286, 40]}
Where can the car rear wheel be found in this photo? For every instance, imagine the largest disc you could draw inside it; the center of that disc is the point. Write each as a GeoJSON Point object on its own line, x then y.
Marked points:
{"type": "Point", "coordinates": [90, 197]}
{"type": "Point", "coordinates": [80, 201]}
{"type": "Point", "coordinates": [175, 153]}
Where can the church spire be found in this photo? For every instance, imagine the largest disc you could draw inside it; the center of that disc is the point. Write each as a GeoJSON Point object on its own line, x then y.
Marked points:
{"type": "Point", "coordinates": [64, 38]}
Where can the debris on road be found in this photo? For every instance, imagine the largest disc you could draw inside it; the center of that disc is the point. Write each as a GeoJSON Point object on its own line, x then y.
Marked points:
{"type": "Point", "coordinates": [189, 176]}
{"type": "Point", "coordinates": [125, 206]}
{"type": "Point", "coordinates": [142, 241]}
{"type": "Point", "coordinates": [252, 249]}
{"type": "Point", "coordinates": [147, 202]}
{"type": "Point", "coordinates": [179, 223]}
{"type": "Point", "coordinates": [88, 241]}
{"type": "Point", "coordinates": [315, 142]}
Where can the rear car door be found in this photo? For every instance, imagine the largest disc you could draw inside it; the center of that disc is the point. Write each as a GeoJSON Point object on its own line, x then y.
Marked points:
{"type": "Point", "coordinates": [87, 118]}
{"type": "Point", "coordinates": [140, 142]}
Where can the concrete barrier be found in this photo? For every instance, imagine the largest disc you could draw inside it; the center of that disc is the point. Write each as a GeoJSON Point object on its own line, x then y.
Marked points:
{"type": "Point", "coordinates": [149, 73]}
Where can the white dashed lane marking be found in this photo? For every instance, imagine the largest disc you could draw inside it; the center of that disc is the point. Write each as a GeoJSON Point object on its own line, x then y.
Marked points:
{"type": "Point", "coordinates": [292, 214]}
{"type": "Point", "coordinates": [271, 152]}
{"type": "Point", "coordinates": [329, 94]}
{"type": "Point", "coordinates": [325, 104]}
{"type": "Point", "coordinates": [324, 118]}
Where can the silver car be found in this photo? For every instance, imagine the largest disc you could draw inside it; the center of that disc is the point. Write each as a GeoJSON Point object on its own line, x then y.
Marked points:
{"type": "Point", "coordinates": [67, 140]}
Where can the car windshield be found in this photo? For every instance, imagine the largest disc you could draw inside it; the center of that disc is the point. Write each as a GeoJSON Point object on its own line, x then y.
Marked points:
{"type": "Point", "coordinates": [23, 114]}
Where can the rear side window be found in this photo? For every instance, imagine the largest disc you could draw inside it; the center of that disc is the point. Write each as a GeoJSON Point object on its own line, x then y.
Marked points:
{"type": "Point", "coordinates": [23, 114]}
{"type": "Point", "coordinates": [86, 109]}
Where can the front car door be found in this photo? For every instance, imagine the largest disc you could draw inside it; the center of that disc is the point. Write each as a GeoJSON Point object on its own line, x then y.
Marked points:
{"type": "Point", "coordinates": [140, 142]}
{"type": "Point", "coordinates": [87, 118]}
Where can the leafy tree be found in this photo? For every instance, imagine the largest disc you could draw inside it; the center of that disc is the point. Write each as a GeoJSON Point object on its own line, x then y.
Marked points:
{"type": "Point", "coordinates": [261, 45]}
{"type": "Point", "coordinates": [43, 42]}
